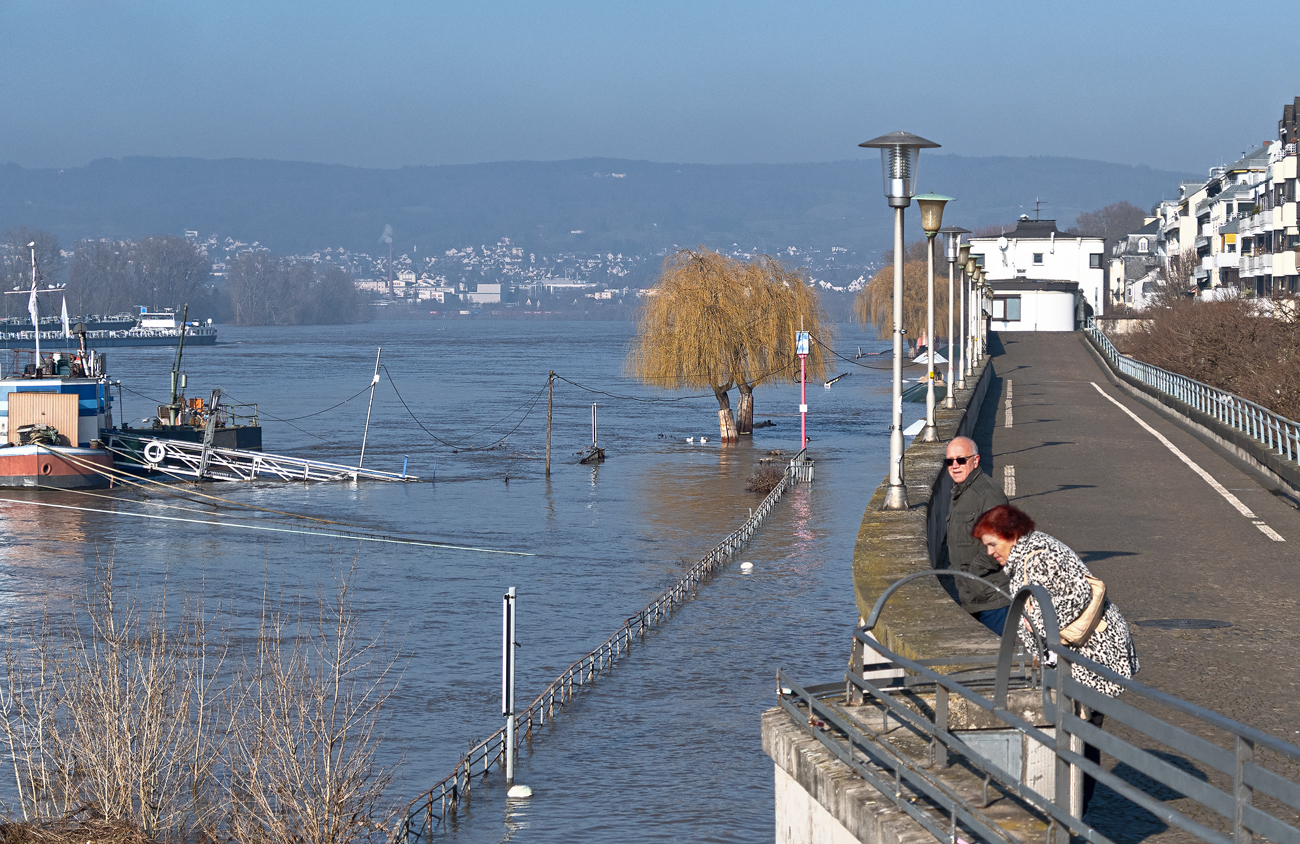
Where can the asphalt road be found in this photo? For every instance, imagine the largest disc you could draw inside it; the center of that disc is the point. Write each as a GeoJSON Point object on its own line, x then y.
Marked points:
{"type": "Point", "coordinates": [1168, 543]}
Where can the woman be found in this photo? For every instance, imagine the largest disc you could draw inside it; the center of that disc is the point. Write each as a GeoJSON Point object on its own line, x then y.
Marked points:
{"type": "Point", "coordinates": [1031, 556]}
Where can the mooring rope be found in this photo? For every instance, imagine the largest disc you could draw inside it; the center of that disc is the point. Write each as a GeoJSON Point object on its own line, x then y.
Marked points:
{"type": "Point", "coordinates": [392, 540]}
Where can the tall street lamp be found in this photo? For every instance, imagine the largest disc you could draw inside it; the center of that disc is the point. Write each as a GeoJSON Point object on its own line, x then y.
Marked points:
{"type": "Point", "coordinates": [931, 205]}
{"type": "Point", "coordinates": [900, 152]}
{"type": "Point", "coordinates": [952, 248]}
{"type": "Point", "coordinates": [967, 265]}
{"type": "Point", "coordinates": [972, 280]}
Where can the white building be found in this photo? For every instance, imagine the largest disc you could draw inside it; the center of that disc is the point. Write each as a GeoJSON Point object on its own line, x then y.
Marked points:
{"type": "Point", "coordinates": [1042, 279]}
{"type": "Point", "coordinates": [487, 294]}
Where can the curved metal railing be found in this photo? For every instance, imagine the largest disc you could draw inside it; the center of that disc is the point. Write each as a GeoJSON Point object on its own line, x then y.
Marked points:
{"type": "Point", "coordinates": [429, 809]}
{"type": "Point", "coordinates": [1271, 430]}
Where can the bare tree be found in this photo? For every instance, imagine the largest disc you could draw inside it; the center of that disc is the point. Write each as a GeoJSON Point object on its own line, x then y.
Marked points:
{"type": "Point", "coordinates": [303, 760]}
{"type": "Point", "coordinates": [875, 302]}
{"type": "Point", "coordinates": [101, 278]}
{"type": "Point", "coordinates": [171, 272]}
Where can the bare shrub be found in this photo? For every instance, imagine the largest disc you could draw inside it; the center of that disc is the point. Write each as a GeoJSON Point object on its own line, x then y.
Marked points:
{"type": "Point", "coordinates": [1231, 345]}
{"type": "Point", "coordinates": [121, 716]}
{"type": "Point", "coordinates": [764, 479]}
{"type": "Point", "coordinates": [303, 756]}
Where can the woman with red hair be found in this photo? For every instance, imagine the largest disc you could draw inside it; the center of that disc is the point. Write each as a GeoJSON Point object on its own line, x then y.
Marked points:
{"type": "Point", "coordinates": [1031, 556]}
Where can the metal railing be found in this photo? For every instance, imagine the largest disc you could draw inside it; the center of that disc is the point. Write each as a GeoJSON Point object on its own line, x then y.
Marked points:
{"type": "Point", "coordinates": [1273, 431]}
{"type": "Point", "coordinates": [1214, 762]}
{"type": "Point", "coordinates": [429, 809]}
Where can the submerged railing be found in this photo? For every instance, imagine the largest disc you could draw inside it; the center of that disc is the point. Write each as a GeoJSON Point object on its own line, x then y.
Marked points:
{"type": "Point", "coordinates": [1271, 430]}
{"type": "Point", "coordinates": [896, 733]}
{"type": "Point", "coordinates": [431, 807]}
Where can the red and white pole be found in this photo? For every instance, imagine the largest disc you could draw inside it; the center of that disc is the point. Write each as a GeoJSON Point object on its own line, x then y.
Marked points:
{"type": "Point", "coordinates": [803, 345]}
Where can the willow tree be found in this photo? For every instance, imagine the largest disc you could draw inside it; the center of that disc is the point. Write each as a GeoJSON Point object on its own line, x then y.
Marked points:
{"type": "Point", "coordinates": [713, 321]}
{"type": "Point", "coordinates": [776, 302]}
{"type": "Point", "coordinates": [875, 302]}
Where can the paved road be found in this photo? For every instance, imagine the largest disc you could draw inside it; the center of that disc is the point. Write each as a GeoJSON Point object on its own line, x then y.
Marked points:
{"type": "Point", "coordinates": [1166, 536]}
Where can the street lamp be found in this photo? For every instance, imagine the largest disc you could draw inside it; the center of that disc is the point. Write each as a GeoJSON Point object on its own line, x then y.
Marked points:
{"type": "Point", "coordinates": [967, 265]}
{"type": "Point", "coordinates": [931, 205]}
{"type": "Point", "coordinates": [972, 279]}
{"type": "Point", "coordinates": [900, 152]}
{"type": "Point", "coordinates": [952, 249]}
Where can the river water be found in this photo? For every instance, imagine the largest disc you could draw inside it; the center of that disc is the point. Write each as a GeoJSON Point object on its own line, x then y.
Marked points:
{"type": "Point", "coordinates": [665, 748]}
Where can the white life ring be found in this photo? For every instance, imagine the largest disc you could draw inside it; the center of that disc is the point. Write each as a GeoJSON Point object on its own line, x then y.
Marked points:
{"type": "Point", "coordinates": [153, 452]}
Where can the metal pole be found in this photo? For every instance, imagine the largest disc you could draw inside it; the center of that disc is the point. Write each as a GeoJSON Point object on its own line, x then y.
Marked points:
{"type": "Point", "coordinates": [952, 303]}
{"type": "Point", "coordinates": [930, 433]}
{"type": "Point", "coordinates": [896, 493]}
{"type": "Point", "coordinates": [508, 678]}
{"type": "Point", "coordinates": [36, 323]}
{"type": "Point", "coordinates": [965, 331]}
{"type": "Point", "coordinates": [803, 403]}
{"type": "Point", "coordinates": [550, 395]}
{"type": "Point", "coordinates": [366, 432]}
{"type": "Point", "coordinates": [593, 424]}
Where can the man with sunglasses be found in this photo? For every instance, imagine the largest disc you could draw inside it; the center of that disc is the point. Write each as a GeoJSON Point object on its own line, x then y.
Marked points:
{"type": "Point", "coordinates": [973, 494]}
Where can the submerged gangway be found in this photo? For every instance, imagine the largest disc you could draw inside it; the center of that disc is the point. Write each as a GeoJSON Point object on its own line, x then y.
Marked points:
{"type": "Point", "coordinates": [196, 461]}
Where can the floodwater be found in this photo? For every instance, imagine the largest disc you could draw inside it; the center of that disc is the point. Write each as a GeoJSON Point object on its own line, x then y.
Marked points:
{"type": "Point", "coordinates": [664, 748]}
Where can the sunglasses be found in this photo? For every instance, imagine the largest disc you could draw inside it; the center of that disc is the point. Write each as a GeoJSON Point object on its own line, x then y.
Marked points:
{"type": "Point", "coordinates": [960, 461]}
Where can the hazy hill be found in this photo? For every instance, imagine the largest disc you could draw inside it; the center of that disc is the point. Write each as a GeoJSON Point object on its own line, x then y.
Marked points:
{"type": "Point", "coordinates": [294, 207]}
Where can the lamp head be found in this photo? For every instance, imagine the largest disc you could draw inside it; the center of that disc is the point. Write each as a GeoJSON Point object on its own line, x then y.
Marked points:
{"type": "Point", "coordinates": [963, 255]}
{"type": "Point", "coordinates": [952, 240]}
{"type": "Point", "coordinates": [931, 205]}
{"type": "Point", "coordinates": [899, 154]}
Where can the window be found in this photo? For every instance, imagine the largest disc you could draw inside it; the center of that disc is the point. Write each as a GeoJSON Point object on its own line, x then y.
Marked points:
{"type": "Point", "coordinates": [1006, 308]}
{"type": "Point", "coordinates": [1038, 259]}
{"type": "Point", "coordinates": [1094, 261]}
{"type": "Point", "coordinates": [1142, 244]}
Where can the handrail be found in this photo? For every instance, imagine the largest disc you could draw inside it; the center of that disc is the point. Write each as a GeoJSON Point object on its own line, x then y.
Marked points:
{"type": "Point", "coordinates": [1217, 762]}
{"type": "Point", "coordinates": [419, 817]}
{"type": "Point", "coordinates": [1272, 430]}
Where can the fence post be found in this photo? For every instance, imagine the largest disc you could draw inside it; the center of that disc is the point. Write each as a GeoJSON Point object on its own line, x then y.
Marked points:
{"type": "Point", "coordinates": [1243, 795]}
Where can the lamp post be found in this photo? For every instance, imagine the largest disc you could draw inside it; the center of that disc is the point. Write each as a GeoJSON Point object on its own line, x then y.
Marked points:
{"type": "Point", "coordinates": [985, 296]}
{"type": "Point", "coordinates": [967, 264]}
{"type": "Point", "coordinates": [900, 152]}
{"type": "Point", "coordinates": [952, 247]}
{"type": "Point", "coordinates": [931, 205]}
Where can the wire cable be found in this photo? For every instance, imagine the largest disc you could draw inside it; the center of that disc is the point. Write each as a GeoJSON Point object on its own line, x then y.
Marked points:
{"type": "Point", "coordinates": [528, 408]}
{"type": "Point", "coordinates": [271, 528]}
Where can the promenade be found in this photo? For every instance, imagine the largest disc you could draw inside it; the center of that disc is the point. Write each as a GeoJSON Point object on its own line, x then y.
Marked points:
{"type": "Point", "coordinates": [1176, 527]}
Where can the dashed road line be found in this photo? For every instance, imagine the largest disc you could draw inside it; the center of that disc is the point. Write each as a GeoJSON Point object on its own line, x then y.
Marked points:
{"type": "Point", "coordinates": [1009, 480]}
{"type": "Point", "coordinates": [1008, 404]}
{"type": "Point", "coordinates": [1205, 476]}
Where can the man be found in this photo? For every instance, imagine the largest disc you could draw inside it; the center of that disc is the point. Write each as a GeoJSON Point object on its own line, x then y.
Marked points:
{"type": "Point", "coordinates": [973, 494]}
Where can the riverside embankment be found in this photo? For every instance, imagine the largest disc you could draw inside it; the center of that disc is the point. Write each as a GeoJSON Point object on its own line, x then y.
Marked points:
{"type": "Point", "coordinates": [1196, 548]}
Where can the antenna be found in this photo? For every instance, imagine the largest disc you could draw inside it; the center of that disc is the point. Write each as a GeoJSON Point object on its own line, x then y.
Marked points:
{"type": "Point", "coordinates": [1038, 205]}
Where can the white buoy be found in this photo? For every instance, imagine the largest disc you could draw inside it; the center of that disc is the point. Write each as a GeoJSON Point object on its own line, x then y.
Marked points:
{"type": "Point", "coordinates": [520, 791]}
{"type": "Point", "coordinates": [746, 566]}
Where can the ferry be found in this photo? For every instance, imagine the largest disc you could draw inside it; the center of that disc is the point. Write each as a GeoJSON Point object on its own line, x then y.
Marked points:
{"type": "Point", "coordinates": [160, 328]}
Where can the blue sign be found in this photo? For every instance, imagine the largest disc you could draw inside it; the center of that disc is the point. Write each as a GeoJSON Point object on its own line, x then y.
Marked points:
{"type": "Point", "coordinates": [802, 342]}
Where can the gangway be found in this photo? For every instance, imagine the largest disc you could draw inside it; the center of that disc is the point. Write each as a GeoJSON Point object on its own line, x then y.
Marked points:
{"type": "Point", "coordinates": [198, 461]}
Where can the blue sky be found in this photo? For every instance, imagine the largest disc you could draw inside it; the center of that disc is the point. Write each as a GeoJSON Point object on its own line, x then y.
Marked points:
{"type": "Point", "coordinates": [387, 84]}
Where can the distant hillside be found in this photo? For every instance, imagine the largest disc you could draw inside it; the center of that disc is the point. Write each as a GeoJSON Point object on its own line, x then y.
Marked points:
{"type": "Point", "coordinates": [584, 205]}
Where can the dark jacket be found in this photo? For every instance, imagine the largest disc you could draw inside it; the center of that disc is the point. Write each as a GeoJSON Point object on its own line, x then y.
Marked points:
{"type": "Point", "coordinates": [971, 499]}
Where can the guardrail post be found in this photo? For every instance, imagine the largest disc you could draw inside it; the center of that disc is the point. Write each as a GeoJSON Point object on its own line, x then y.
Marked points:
{"type": "Point", "coordinates": [1243, 795]}
{"type": "Point", "coordinates": [856, 660]}
{"type": "Point", "coordinates": [938, 749]}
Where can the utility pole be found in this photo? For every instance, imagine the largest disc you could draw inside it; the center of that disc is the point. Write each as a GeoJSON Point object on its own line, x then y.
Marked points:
{"type": "Point", "coordinates": [550, 394]}
{"type": "Point", "coordinates": [508, 678]}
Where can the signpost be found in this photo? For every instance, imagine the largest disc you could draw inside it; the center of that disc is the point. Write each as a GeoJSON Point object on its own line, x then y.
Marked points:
{"type": "Point", "coordinates": [802, 345]}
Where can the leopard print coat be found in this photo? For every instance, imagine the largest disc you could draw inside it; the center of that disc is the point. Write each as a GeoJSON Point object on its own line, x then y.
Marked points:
{"type": "Point", "coordinates": [1048, 562]}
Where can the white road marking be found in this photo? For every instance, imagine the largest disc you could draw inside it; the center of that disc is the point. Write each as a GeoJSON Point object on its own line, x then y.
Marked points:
{"type": "Point", "coordinates": [1009, 480]}
{"type": "Point", "coordinates": [1008, 404]}
{"type": "Point", "coordinates": [1205, 476]}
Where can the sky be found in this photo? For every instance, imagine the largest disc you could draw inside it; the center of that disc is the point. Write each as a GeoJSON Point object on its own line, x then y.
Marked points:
{"type": "Point", "coordinates": [390, 83]}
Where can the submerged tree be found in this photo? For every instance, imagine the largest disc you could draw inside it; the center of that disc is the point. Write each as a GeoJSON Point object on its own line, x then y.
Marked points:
{"type": "Point", "coordinates": [875, 302]}
{"type": "Point", "coordinates": [713, 321]}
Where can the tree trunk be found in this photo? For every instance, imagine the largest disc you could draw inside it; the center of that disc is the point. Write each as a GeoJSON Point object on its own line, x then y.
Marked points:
{"type": "Point", "coordinates": [745, 410]}
{"type": "Point", "coordinates": [726, 419]}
